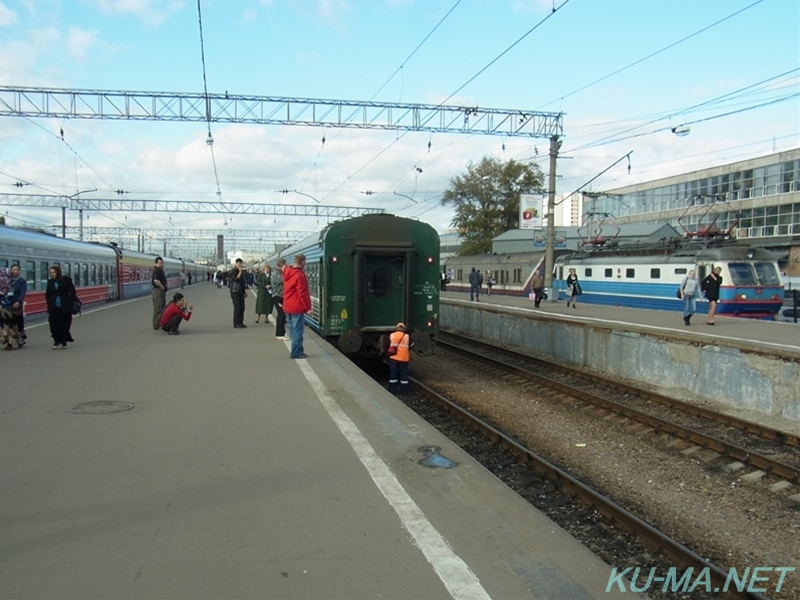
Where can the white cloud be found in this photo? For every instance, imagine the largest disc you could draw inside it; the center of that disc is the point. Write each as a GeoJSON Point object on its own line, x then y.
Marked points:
{"type": "Point", "coordinates": [7, 16]}
{"type": "Point", "coordinates": [153, 12]}
{"type": "Point", "coordinates": [80, 42]}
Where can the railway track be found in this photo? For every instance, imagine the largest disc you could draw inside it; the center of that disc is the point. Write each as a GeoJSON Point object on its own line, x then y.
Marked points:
{"type": "Point", "coordinates": [566, 487]}
{"type": "Point", "coordinates": [769, 451]}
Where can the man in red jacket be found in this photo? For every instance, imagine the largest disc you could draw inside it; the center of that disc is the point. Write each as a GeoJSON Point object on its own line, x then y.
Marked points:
{"type": "Point", "coordinates": [174, 313]}
{"type": "Point", "coordinates": [296, 303]}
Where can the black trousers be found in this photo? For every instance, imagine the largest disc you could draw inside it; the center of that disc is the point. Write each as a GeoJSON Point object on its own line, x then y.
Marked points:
{"type": "Point", "coordinates": [60, 324]}
{"type": "Point", "coordinates": [238, 309]}
{"type": "Point", "coordinates": [173, 324]}
{"type": "Point", "coordinates": [280, 322]}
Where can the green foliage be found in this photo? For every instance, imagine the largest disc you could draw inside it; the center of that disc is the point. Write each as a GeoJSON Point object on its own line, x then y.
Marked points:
{"type": "Point", "coordinates": [486, 200]}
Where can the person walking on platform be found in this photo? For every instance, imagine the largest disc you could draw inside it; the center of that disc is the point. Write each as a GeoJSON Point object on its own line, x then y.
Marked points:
{"type": "Point", "coordinates": [175, 312]}
{"type": "Point", "coordinates": [238, 281]}
{"type": "Point", "coordinates": [277, 299]}
{"type": "Point", "coordinates": [59, 294]}
{"type": "Point", "coordinates": [573, 288]}
{"type": "Point", "coordinates": [12, 295]}
{"type": "Point", "coordinates": [475, 283]}
{"type": "Point", "coordinates": [443, 281]}
{"type": "Point", "coordinates": [490, 281]}
{"type": "Point", "coordinates": [400, 345]}
{"type": "Point", "coordinates": [710, 287]}
{"type": "Point", "coordinates": [159, 294]}
{"type": "Point", "coordinates": [296, 303]}
{"type": "Point", "coordinates": [263, 285]}
{"type": "Point", "coordinates": [689, 289]}
{"type": "Point", "coordinates": [538, 287]}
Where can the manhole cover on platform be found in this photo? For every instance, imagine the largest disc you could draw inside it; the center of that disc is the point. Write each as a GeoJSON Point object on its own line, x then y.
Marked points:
{"type": "Point", "coordinates": [102, 407]}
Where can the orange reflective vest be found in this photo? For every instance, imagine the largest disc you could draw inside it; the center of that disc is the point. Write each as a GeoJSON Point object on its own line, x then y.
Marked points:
{"type": "Point", "coordinates": [401, 340]}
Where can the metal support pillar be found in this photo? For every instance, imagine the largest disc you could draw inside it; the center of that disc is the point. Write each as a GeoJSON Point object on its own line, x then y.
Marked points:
{"type": "Point", "coordinates": [555, 144]}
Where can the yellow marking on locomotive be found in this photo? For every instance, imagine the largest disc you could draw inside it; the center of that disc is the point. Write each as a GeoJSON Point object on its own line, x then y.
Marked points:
{"type": "Point", "coordinates": [344, 314]}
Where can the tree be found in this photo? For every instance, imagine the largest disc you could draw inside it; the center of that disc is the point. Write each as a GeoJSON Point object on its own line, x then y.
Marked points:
{"type": "Point", "coordinates": [486, 200]}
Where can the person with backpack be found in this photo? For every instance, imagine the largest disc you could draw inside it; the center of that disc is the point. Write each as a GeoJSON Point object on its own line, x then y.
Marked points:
{"type": "Point", "coordinates": [688, 289]}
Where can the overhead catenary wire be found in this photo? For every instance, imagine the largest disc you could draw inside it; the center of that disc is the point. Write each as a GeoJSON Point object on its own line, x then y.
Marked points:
{"type": "Point", "coordinates": [651, 55]}
{"type": "Point", "coordinates": [210, 139]}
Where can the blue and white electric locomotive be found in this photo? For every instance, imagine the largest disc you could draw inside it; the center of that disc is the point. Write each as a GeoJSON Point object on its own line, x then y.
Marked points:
{"type": "Point", "coordinates": [648, 277]}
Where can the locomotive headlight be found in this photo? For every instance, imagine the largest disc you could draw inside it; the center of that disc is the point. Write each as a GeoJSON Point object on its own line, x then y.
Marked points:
{"type": "Point", "coordinates": [430, 259]}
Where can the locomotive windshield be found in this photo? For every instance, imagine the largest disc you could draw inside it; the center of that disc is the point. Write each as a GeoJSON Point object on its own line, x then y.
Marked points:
{"type": "Point", "coordinates": [760, 273]}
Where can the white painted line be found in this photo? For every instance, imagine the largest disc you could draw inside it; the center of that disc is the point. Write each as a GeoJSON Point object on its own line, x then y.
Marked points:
{"type": "Point", "coordinates": [454, 573]}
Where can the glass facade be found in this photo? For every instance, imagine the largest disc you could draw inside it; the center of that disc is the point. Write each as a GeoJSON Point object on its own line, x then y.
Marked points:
{"type": "Point", "coordinates": [778, 217]}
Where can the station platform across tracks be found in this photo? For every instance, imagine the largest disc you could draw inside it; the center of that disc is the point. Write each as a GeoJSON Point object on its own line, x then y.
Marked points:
{"type": "Point", "coordinates": [237, 472]}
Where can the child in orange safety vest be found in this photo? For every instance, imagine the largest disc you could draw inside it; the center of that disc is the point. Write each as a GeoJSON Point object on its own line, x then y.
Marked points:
{"type": "Point", "coordinates": [399, 346]}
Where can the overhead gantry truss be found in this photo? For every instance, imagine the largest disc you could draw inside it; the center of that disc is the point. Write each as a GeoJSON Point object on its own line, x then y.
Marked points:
{"type": "Point", "coordinates": [271, 235]}
{"type": "Point", "coordinates": [225, 108]}
{"type": "Point", "coordinates": [186, 206]}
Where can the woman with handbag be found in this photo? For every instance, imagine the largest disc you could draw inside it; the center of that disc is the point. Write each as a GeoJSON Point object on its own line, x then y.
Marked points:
{"type": "Point", "coordinates": [60, 296]}
{"type": "Point", "coordinates": [573, 288]}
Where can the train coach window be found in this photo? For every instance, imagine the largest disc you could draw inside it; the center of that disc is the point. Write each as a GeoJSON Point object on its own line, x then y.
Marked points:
{"type": "Point", "coordinates": [30, 274]}
{"type": "Point", "coordinates": [85, 278]}
{"type": "Point", "coordinates": [93, 275]}
{"type": "Point", "coordinates": [608, 273]}
{"type": "Point", "coordinates": [630, 273]}
{"type": "Point", "coordinates": [655, 273]}
{"type": "Point", "coordinates": [381, 282]}
{"type": "Point", "coordinates": [587, 272]}
{"type": "Point", "coordinates": [3, 262]}
{"type": "Point", "coordinates": [680, 271]}
{"type": "Point", "coordinates": [44, 274]}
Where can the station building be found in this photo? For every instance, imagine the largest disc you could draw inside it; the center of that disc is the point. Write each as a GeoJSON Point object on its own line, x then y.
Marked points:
{"type": "Point", "coordinates": [756, 200]}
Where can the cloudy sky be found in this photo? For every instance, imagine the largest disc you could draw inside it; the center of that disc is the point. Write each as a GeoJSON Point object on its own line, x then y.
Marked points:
{"type": "Point", "coordinates": [623, 72]}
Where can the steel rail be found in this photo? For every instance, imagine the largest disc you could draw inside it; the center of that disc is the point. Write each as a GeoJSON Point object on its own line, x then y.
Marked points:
{"type": "Point", "coordinates": [755, 459]}
{"type": "Point", "coordinates": [651, 536]}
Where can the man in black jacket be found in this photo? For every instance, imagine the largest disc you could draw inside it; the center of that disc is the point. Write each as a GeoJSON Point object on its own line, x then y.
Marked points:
{"type": "Point", "coordinates": [159, 293]}
{"type": "Point", "coordinates": [238, 294]}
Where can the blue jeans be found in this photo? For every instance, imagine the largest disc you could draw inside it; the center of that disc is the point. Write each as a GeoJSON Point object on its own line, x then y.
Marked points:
{"type": "Point", "coordinates": [295, 325]}
{"type": "Point", "coordinates": [689, 306]}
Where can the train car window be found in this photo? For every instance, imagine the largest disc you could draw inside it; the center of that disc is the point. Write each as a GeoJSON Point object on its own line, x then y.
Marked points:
{"type": "Point", "coordinates": [3, 262]}
{"type": "Point", "coordinates": [742, 274]}
{"type": "Point", "coordinates": [630, 273]}
{"type": "Point", "coordinates": [93, 275]}
{"type": "Point", "coordinates": [608, 273]}
{"type": "Point", "coordinates": [381, 282]}
{"type": "Point", "coordinates": [65, 270]}
{"type": "Point", "coordinates": [767, 274]}
{"type": "Point", "coordinates": [460, 276]}
{"type": "Point", "coordinates": [680, 271]}
{"type": "Point", "coordinates": [30, 274]}
{"type": "Point", "coordinates": [44, 274]}
{"type": "Point", "coordinates": [655, 273]}
{"type": "Point", "coordinates": [14, 262]}
{"type": "Point", "coordinates": [85, 277]}
{"type": "Point", "coordinates": [587, 272]}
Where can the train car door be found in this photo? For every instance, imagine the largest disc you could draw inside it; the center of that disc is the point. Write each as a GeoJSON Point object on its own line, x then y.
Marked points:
{"type": "Point", "coordinates": [385, 290]}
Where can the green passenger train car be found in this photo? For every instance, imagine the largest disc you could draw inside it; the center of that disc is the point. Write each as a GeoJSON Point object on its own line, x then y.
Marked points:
{"type": "Point", "coordinates": [368, 273]}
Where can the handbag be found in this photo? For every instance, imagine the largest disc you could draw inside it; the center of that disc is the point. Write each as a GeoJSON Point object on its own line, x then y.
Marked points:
{"type": "Point", "coordinates": [77, 303]}
{"type": "Point", "coordinates": [678, 293]}
{"type": "Point", "coordinates": [391, 350]}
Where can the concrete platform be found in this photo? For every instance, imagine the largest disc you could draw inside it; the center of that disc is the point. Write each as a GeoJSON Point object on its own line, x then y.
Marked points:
{"type": "Point", "coordinates": [740, 364]}
{"type": "Point", "coordinates": [241, 473]}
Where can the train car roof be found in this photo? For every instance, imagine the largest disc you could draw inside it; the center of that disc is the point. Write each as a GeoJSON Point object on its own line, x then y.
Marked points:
{"type": "Point", "coordinates": [51, 242]}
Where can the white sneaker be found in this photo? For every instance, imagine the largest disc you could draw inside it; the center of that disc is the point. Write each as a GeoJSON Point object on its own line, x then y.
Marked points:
{"type": "Point", "coordinates": [282, 338]}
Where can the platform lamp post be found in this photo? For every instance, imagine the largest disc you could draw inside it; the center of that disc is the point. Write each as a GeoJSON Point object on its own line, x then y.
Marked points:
{"type": "Point", "coordinates": [549, 253]}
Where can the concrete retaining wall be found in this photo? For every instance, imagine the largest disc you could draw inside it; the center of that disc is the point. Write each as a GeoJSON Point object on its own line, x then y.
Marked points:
{"type": "Point", "coordinates": [762, 382]}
